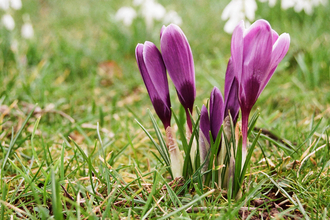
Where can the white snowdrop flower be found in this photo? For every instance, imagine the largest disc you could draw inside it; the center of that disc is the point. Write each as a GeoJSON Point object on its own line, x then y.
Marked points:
{"type": "Point", "coordinates": [272, 3]}
{"type": "Point", "coordinates": [126, 15]}
{"type": "Point", "coordinates": [152, 10]}
{"type": "Point", "coordinates": [250, 7]}
{"type": "Point", "coordinates": [304, 5]}
{"type": "Point", "coordinates": [172, 17]}
{"type": "Point", "coordinates": [287, 4]}
{"type": "Point", "coordinates": [158, 11]}
{"type": "Point", "coordinates": [8, 22]}
{"type": "Point", "coordinates": [4, 4]}
{"type": "Point", "coordinates": [16, 4]}
{"type": "Point", "coordinates": [137, 2]}
{"type": "Point", "coordinates": [236, 11]}
{"type": "Point", "coordinates": [308, 7]}
{"type": "Point", "coordinates": [233, 6]}
{"type": "Point", "coordinates": [299, 5]}
{"type": "Point", "coordinates": [232, 23]}
{"type": "Point", "coordinates": [27, 31]}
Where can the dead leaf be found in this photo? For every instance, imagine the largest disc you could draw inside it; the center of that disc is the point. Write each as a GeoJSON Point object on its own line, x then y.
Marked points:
{"type": "Point", "coordinates": [77, 137]}
{"type": "Point", "coordinates": [109, 70]}
{"type": "Point", "coordinates": [313, 161]}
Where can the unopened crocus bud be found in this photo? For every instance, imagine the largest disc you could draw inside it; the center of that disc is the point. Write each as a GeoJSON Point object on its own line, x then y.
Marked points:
{"type": "Point", "coordinates": [153, 72]}
{"type": "Point", "coordinates": [216, 112]}
{"type": "Point", "coordinates": [231, 93]}
{"type": "Point", "coordinates": [179, 63]}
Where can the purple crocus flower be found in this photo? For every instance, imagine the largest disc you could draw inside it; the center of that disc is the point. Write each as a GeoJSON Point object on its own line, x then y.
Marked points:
{"type": "Point", "coordinates": [204, 136]}
{"type": "Point", "coordinates": [153, 72]}
{"type": "Point", "coordinates": [216, 112]}
{"type": "Point", "coordinates": [256, 52]}
{"type": "Point", "coordinates": [179, 63]}
{"type": "Point", "coordinates": [231, 93]}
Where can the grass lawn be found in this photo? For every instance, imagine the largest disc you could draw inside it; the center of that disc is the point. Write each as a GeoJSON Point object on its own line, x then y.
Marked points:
{"type": "Point", "coordinates": [70, 99]}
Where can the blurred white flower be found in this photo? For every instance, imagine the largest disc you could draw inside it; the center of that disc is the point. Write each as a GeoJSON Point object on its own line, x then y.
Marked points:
{"type": "Point", "coordinates": [4, 4]}
{"type": "Point", "coordinates": [306, 5]}
{"type": "Point", "coordinates": [303, 5]}
{"type": "Point", "coordinates": [287, 4]}
{"type": "Point", "coordinates": [272, 3]}
{"type": "Point", "coordinates": [126, 15]}
{"type": "Point", "coordinates": [16, 4]}
{"type": "Point", "coordinates": [172, 17]}
{"type": "Point", "coordinates": [8, 22]}
{"type": "Point", "coordinates": [236, 11]}
{"type": "Point", "coordinates": [152, 10]}
{"type": "Point", "coordinates": [298, 5]}
{"type": "Point", "coordinates": [137, 2]}
{"type": "Point", "coordinates": [27, 31]}
{"type": "Point", "coordinates": [250, 7]}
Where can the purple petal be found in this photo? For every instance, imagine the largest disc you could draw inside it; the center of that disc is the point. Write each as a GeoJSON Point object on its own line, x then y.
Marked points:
{"type": "Point", "coordinates": [216, 111]}
{"type": "Point", "coordinates": [275, 36]}
{"type": "Point", "coordinates": [156, 69]}
{"type": "Point", "coordinates": [230, 75]}
{"type": "Point", "coordinates": [280, 48]}
{"type": "Point", "coordinates": [257, 49]}
{"type": "Point", "coordinates": [256, 60]}
{"type": "Point", "coordinates": [162, 30]}
{"type": "Point", "coordinates": [231, 93]}
{"type": "Point", "coordinates": [153, 77]}
{"type": "Point", "coordinates": [237, 45]}
{"type": "Point", "coordinates": [179, 62]}
{"type": "Point", "coordinates": [252, 87]}
{"type": "Point", "coordinates": [186, 96]}
{"type": "Point", "coordinates": [204, 123]}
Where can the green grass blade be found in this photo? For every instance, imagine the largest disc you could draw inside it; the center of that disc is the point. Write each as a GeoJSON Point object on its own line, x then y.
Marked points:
{"type": "Point", "coordinates": [152, 193]}
{"type": "Point", "coordinates": [13, 141]}
{"type": "Point", "coordinates": [160, 149]}
{"type": "Point", "coordinates": [253, 121]}
{"type": "Point", "coordinates": [34, 153]}
{"type": "Point", "coordinates": [187, 205]}
{"type": "Point", "coordinates": [247, 160]}
{"type": "Point", "coordinates": [56, 198]}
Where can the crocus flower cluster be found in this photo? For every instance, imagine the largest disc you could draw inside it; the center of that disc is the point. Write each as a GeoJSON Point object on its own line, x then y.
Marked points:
{"type": "Point", "coordinates": [177, 58]}
{"type": "Point", "coordinates": [220, 113]}
{"type": "Point", "coordinates": [255, 54]}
